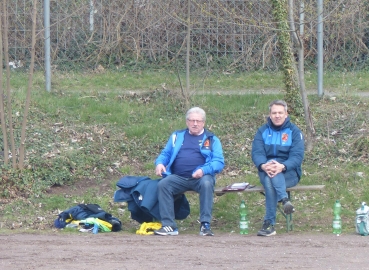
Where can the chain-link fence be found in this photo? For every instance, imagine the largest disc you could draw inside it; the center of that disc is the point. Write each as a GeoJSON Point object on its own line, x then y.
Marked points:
{"type": "Point", "coordinates": [231, 34]}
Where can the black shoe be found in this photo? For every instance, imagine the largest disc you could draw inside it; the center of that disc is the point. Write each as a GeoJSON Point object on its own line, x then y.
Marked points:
{"type": "Point", "coordinates": [287, 206]}
{"type": "Point", "coordinates": [205, 229]}
{"type": "Point", "coordinates": [267, 229]}
{"type": "Point", "coordinates": [166, 230]}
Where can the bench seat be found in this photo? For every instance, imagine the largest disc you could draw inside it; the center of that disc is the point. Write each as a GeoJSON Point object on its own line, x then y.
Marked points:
{"type": "Point", "coordinates": [220, 191]}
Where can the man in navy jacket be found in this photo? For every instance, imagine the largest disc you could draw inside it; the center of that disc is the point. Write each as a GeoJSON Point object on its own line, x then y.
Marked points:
{"type": "Point", "coordinates": [277, 152]}
{"type": "Point", "coordinates": [190, 160]}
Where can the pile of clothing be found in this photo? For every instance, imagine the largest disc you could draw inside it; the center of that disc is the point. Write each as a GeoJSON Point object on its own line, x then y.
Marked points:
{"type": "Point", "coordinates": [88, 218]}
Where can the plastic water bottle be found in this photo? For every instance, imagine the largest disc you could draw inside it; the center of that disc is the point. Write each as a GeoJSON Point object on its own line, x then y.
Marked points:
{"type": "Point", "coordinates": [244, 224]}
{"type": "Point", "coordinates": [337, 222]}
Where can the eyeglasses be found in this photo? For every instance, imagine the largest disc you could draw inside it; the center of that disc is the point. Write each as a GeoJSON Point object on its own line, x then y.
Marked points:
{"type": "Point", "coordinates": [194, 121]}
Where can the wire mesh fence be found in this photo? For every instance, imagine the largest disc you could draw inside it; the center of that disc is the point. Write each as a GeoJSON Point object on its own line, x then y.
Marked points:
{"type": "Point", "coordinates": [226, 34]}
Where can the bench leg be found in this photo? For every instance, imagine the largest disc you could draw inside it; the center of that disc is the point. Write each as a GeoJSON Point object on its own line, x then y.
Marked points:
{"type": "Point", "coordinates": [289, 223]}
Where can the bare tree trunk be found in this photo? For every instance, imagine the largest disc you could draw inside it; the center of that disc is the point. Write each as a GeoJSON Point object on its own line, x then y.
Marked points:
{"type": "Point", "coordinates": [30, 79]}
{"type": "Point", "coordinates": [8, 92]}
{"type": "Point", "coordinates": [2, 111]}
{"type": "Point", "coordinates": [298, 40]}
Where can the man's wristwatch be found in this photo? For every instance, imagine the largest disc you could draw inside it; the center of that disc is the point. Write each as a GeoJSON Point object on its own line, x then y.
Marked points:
{"type": "Point", "coordinates": [284, 168]}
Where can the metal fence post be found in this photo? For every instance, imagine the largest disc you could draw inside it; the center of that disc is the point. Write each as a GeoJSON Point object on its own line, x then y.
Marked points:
{"type": "Point", "coordinates": [320, 47]}
{"type": "Point", "coordinates": [92, 9]}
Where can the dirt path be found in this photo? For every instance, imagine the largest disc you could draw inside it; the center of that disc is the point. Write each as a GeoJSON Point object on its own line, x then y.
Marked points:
{"type": "Point", "coordinates": [113, 251]}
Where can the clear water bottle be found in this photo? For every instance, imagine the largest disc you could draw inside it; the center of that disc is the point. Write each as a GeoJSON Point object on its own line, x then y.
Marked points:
{"type": "Point", "coordinates": [337, 222]}
{"type": "Point", "coordinates": [244, 224]}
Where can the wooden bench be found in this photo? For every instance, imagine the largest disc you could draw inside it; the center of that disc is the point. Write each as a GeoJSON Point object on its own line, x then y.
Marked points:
{"type": "Point", "coordinates": [260, 189]}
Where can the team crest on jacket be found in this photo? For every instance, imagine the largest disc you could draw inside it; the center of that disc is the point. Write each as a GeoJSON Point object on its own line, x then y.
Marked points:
{"type": "Point", "coordinates": [206, 143]}
{"type": "Point", "coordinates": [284, 137]}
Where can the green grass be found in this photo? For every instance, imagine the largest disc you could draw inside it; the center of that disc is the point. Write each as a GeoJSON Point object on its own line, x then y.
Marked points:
{"type": "Point", "coordinates": [88, 138]}
{"type": "Point", "coordinates": [213, 81]}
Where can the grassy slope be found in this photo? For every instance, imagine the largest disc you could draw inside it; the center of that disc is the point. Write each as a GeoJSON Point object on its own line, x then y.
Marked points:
{"type": "Point", "coordinates": [101, 135]}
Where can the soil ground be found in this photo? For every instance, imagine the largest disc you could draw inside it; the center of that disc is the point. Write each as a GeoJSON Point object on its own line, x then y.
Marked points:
{"type": "Point", "coordinates": [122, 250]}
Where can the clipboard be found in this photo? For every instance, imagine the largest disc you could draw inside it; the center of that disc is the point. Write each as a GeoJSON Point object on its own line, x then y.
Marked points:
{"type": "Point", "coordinates": [236, 186]}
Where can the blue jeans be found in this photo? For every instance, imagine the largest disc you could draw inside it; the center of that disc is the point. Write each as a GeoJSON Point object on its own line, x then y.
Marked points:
{"type": "Point", "coordinates": [173, 185]}
{"type": "Point", "coordinates": [275, 190]}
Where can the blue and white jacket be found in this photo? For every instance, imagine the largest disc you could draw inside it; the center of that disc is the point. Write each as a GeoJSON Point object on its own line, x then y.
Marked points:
{"type": "Point", "coordinates": [210, 148]}
{"type": "Point", "coordinates": [284, 144]}
{"type": "Point", "coordinates": [141, 193]}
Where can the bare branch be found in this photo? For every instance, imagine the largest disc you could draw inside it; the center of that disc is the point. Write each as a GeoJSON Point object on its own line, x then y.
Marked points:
{"type": "Point", "coordinates": [29, 88]}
